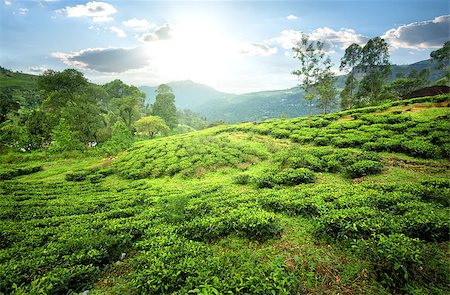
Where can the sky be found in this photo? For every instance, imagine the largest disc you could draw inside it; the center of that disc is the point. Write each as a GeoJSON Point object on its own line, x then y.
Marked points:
{"type": "Point", "coordinates": [232, 46]}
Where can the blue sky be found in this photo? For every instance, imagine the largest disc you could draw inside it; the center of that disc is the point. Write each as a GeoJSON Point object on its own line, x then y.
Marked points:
{"type": "Point", "coordinates": [233, 46]}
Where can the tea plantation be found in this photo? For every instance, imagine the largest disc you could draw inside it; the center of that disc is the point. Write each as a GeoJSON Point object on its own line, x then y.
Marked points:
{"type": "Point", "coordinates": [355, 202]}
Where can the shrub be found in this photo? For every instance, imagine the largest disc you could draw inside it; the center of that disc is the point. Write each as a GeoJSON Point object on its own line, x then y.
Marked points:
{"type": "Point", "coordinates": [242, 178]}
{"type": "Point", "coordinates": [363, 168]}
{"type": "Point", "coordinates": [292, 176]}
{"type": "Point", "coordinates": [421, 148]}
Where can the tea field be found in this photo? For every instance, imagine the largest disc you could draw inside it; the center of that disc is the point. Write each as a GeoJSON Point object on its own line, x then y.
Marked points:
{"type": "Point", "coordinates": [355, 202]}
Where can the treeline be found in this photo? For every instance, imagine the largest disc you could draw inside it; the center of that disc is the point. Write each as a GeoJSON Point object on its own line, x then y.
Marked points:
{"type": "Point", "coordinates": [66, 112]}
{"type": "Point", "coordinates": [367, 81]}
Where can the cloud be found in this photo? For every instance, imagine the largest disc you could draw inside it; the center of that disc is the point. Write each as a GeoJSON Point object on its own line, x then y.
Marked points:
{"type": "Point", "coordinates": [420, 35]}
{"type": "Point", "coordinates": [37, 70]}
{"type": "Point", "coordinates": [162, 33]}
{"type": "Point", "coordinates": [21, 11]}
{"type": "Point", "coordinates": [98, 11]}
{"type": "Point", "coordinates": [333, 39]}
{"type": "Point", "coordinates": [138, 24]}
{"type": "Point", "coordinates": [257, 49]}
{"type": "Point", "coordinates": [106, 60]}
{"type": "Point", "coordinates": [7, 2]}
{"type": "Point", "coordinates": [118, 32]}
{"type": "Point", "coordinates": [337, 39]}
{"type": "Point", "coordinates": [291, 17]}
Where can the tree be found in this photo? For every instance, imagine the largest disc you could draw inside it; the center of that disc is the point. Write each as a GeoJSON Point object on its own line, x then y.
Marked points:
{"type": "Point", "coordinates": [65, 139]}
{"type": "Point", "coordinates": [68, 95]}
{"type": "Point", "coordinates": [124, 101]}
{"type": "Point", "coordinates": [442, 55]}
{"type": "Point", "coordinates": [164, 106]}
{"type": "Point", "coordinates": [327, 92]}
{"type": "Point", "coordinates": [150, 126]}
{"type": "Point", "coordinates": [313, 65]}
{"type": "Point", "coordinates": [375, 66]}
{"type": "Point", "coordinates": [352, 57]}
{"type": "Point", "coordinates": [8, 103]}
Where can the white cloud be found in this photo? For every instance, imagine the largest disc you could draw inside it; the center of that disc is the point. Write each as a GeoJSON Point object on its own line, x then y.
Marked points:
{"type": "Point", "coordinates": [420, 35]}
{"type": "Point", "coordinates": [332, 39]}
{"type": "Point", "coordinates": [138, 24]}
{"type": "Point", "coordinates": [291, 17]}
{"type": "Point", "coordinates": [118, 32]}
{"type": "Point", "coordinates": [162, 33]}
{"type": "Point", "coordinates": [106, 60]}
{"type": "Point", "coordinates": [21, 11]}
{"type": "Point", "coordinates": [257, 49]}
{"type": "Point", "coordinates": [37, 70]}
{"type": "Point", "coordinates": [7, 2]}
{"type": "Point", "coordinates": [98, 11]}
{"type": "Point", "coordinates": [337, 39]}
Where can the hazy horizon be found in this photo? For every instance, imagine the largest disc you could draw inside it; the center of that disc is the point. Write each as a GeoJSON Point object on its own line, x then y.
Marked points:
{"type": "Point", "coordinates": [232, 46]}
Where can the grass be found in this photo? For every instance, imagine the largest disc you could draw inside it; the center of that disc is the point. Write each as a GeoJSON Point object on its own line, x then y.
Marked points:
{"type": "Point", "coordinates": [170, 217]}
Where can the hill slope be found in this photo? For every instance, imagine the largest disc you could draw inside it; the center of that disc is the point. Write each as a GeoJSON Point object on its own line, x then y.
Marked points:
{"type": "Point", "coordinates": [188, 95]}
{"type": "Point", "coordinates": [357, 204]}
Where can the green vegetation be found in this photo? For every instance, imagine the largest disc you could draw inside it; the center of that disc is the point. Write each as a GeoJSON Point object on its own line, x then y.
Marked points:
{"type": "Point", "coordinates": [354, 202]}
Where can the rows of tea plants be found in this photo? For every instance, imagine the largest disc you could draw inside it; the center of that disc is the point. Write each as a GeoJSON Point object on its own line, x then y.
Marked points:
{"type": "Point", "coordinates": [213, 212]}
{"type": "Point", "coordinates": [401, 229]}
{"type": "Point", "coordinates": [187, 155]}
{"type": "Point", "coordinates": [395, 131]}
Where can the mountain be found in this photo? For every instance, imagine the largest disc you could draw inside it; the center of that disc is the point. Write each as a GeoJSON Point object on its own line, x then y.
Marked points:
{"type": "Point", "coordinates": [188, 95]}
{"type": "Point", "coordinates": [435, 74]}
{"type": "Point", "coordinates": [257, 106]}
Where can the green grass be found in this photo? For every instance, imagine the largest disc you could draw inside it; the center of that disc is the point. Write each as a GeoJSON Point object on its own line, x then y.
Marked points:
{"type": "Point", "coordinates": [264, 208]}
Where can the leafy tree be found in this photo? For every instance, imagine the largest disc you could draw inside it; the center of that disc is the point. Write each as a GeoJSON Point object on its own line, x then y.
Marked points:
{"type": "Point", "coordinates": [125, 102]}
{"type": "Point", "coordinates": [346, 95]}
{"type": "Point", "coordinates": [442, 55]}
{"type": "Point", "coordinates": [8, 103]}
{"type": "Point", "coordinates": [65, 139]}
{"type": "Point", "coordinates": [352, 57]}
{"type": "Point", "coordinates": [121, 135]}
{"type": "Point", "coordinates": [150, 126]}
{"type": "Point", "coordinates": [313, 65]}
{"type": "Point", "coordinates": [68, 95]}
{"type": "Point", "coordinates": [327, 92]}
{"type": "Point", "coordinates": [164, 106]}
{"type": "Point", "coordinates": [375, 66]}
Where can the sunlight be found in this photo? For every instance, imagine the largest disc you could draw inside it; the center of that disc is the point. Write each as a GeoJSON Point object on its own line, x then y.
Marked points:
{"type": "Point", "coordinates": [198, 51]}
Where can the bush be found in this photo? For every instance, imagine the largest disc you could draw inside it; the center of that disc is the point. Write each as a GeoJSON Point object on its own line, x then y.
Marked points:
{"type": "Point", "coordinates": [363, 168]}
{"type": "Point", "coordinates": [241, 179]}
{"type": "Point", "coordinates": [421, 148]}
{"type": "Point", "coordinates": [9, 173]}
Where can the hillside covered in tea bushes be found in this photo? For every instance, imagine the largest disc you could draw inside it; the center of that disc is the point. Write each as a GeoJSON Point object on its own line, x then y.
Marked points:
{"type": "Point", "coordinates": [355, 202]}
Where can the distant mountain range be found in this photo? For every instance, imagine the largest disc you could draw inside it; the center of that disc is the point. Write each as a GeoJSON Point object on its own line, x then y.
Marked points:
{"type": "Point", "coordinates": [215, 105]}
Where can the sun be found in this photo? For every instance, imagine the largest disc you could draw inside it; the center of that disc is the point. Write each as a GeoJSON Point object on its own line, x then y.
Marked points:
{"type": "Point", "coordinates": [199, 50]}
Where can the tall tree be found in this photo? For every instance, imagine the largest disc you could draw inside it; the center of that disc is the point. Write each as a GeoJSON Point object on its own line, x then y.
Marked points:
{"type": "Point", "coordinates": [150, 126]}
{"type": "Point", "coordinates": [376, 68]}
{"type": "Point", "coordinates": [313, 65]}
{"type": "Point", "coordinates": [69, 97]}
{"type": "Point", "coordinates": [164, 105]}
{"type": "Point", "coordinates": [124, 101]}
{"type": "Point", "coordinates": [442, 55]}
{"type": "Point", "coordinates": [352, 57]}
{"type": "Point", "coordinates": [327, 91]}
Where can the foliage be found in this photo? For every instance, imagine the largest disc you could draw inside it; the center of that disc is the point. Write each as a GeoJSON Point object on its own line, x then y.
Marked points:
{"type": "Point", "coordinates": [314, 66]}
{"type": "Point", "coordinates": [164, 106]}
{"type": "Point", "coordinates": [441, 55]}
{"type": "Point", "coordinates": [150, 126]}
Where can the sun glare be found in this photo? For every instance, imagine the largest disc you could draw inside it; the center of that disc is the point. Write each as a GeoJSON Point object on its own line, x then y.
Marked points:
{"type": "Point", "coordinates": [199, 50]}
